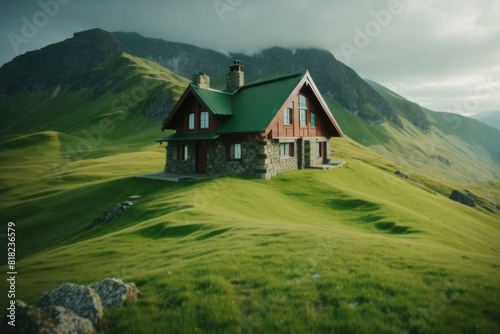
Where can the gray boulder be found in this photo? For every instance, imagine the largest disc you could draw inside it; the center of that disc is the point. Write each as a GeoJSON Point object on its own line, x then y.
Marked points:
{"type": "Point", "coordinates": [113, 292]}
{"type": "Point", "coordinates": [53, 319]}
{"type": "Point", "coordinates": [80, 299]}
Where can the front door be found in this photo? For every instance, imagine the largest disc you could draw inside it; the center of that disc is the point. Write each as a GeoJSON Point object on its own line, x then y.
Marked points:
{"type": "Point", "coordinates": [201, 157]}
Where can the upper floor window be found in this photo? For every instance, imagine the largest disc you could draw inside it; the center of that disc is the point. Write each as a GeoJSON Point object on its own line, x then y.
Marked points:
{"type": "Point", "coordinates": [288, 116]}
{"type": "Point", "coordinates": [302, 117]}
{"type": "Point", "coordinates": [191, 121]}
{"type": "Point", "coordinates": [313, 120]}
{"type": "Point", "coordinates": [234, 151]}
{"type": "Point", "coordinates": [302, 110]}
{"type": "Point", "coordinates": [302, 102]}
{"type": "Point", "coordinates": [204, 120]}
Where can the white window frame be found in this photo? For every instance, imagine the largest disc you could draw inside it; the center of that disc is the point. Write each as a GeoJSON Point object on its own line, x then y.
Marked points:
{"type": "Point", "coordinates": [191, 125]}
{"type": "Point", "coordinates": [286, 150]}
{"type": "Point", "coordinates": [235, 151]}
{"type": "Point", "coordinates": [204, 120]}
{"type": "Point", "coordinates": [288, 116]}
{"type": "Point", "coordinates": [302, 102]}
{"type": "Point", "coordinates": [184, 154]}
{"type": "Point", "coordinates": [303, 118]}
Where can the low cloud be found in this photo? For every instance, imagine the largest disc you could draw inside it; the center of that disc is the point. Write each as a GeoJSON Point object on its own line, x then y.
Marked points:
{"type": "Point", "coordinates": [421, 51]}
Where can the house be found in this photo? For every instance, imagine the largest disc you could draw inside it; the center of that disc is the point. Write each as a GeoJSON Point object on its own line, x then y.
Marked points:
{"type": "Point", "coordinates": [259, 129]}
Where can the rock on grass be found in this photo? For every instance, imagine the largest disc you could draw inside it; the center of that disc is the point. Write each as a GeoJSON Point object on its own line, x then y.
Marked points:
{"type": "Point", "coordinates": [80, 299]}
{"type": "Point", "coordinates": [113, 292]}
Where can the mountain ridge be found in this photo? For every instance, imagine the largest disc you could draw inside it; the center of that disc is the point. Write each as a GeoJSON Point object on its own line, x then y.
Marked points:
{"type": "Point", "coordinates": [490, 118]}
{"type": "Point", "coordinates": [398, 129]}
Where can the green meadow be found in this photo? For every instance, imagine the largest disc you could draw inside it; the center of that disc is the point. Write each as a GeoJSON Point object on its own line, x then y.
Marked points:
{"type": "Point", "coordinates": [238, 255]}
{"type": "Point", "coordinates": [355, 249]}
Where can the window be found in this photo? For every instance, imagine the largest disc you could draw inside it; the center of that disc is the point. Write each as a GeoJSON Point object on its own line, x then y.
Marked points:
{"type": "Point", "coordinates": [288, 116]}
{"type": "Point", "coordinates": [286, 150]}
{"type": "Point", "coordinates": [302, 111]}
{"type": "Point", "coordinates": [204, 120]}
{"type": "Point", "coordinates": [302, 117]}
{"type": "Point", "coordinates": [313, 120]}
{"type": "Point", "coordinates": [302, 102]}
{"type": "Point", "coordinates": [319, 149]}
{"type": "Point", "coordinates": [234, 152]}
{"type": "Point", "coordinates": [182, 152]}
{"type": "Point", "coordinates": [191, 121]}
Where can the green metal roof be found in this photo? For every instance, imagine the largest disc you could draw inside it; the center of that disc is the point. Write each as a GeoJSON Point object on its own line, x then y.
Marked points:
{"type": "Point", "coordinates": [249, 109]}
{"type": "Point", "coordinates": [256, 104]}
{"type": "Point", "coordinates": [218, 102]}
{"type": "Point", "coordinates": [252, 107]}
{"type": "Point", "coordinates": [188, 136]}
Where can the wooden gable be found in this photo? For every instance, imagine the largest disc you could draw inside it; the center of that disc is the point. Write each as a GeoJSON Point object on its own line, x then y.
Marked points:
{"type": "Point", "coordinates": [188, 104]}
{"type": "Point", "coordinates": [319, 121]}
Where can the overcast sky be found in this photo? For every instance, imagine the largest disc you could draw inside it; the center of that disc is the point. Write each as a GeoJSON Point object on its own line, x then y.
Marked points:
{"type": "Point", "coordinates": [442, 54]}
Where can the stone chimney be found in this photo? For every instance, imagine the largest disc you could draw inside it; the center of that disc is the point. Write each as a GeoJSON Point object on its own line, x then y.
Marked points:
{"type": "Point", "coordinates": [235, 78]}
{"type": "Point", "coordinates": [201, 80]}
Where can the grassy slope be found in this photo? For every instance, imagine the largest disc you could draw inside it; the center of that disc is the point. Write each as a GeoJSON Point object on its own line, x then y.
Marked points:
{"type": "Point", "coordinates": [470, 147]}
{"type": "Point", "coordinates": [235, 254]}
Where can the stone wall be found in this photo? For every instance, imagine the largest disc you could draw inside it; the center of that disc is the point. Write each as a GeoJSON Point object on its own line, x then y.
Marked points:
{"type": "Point", "coordinates": [271, 163]}
{"type": "Point", "coordinates": [219, 165]}
{"type": "Point", "coordinates": [260, 159]}
{"type": "Point", "coordinates": [311, 154]}
{"type": "Point", "coordinates": [175, 166]}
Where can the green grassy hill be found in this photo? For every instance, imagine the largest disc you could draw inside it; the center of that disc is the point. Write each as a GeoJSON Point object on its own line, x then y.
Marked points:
{"type": "Point", "coordinates": [443, 146]}
{"type": "Point", "coordinates": [235, 254]}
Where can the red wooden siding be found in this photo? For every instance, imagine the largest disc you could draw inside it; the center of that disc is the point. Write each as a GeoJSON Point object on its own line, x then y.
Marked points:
{"type": "Point", "coordinates": [191, 105]}
{"type": "Point", "coordinates": [277, 128]}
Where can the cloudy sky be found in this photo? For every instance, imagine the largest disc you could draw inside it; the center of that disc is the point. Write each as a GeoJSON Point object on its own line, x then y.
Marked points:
{"type": "Point", "coordinates": [442, 54]}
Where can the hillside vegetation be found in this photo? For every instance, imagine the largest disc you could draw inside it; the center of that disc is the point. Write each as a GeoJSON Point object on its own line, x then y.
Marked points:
{"type": "Point", "coordinates": [235, 254]}
{"type": "Point", "coordinates": [352, 249]}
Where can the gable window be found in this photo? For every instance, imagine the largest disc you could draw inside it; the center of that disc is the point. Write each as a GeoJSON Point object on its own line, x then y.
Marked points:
{"type": "Point", "coordinates": [191, 121]}
{"type": "Point", "coordinates": [204, 120]}
{"type": "Point", "coordinates": [286, 150]}
{"type": "Point", "coordinates": [182, 152]}
{"type": "Point", "coordinates": [302, 111]}
{"type": "Point", "coordinates": [234, 151]}
{"type": "Point", "coordinates": [302, 102]}
{"type": "Point", "coordinates": [288, 116]}
{"type": "Point", "coordinates": [302, 117]}
{"type": "Point", "coordinates": [313, 119]}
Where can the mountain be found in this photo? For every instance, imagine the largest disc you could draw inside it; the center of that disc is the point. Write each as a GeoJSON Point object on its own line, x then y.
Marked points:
{"type": "Point", "coordinates": [352, 249]}
{"type": "Point", "coordinates": [490, 118]}
{"type": "Point", "coordinates": [393, 126]}
{"type": "Point", "coordinates": [61, 64]}
{"type": "Point", "coordinates": [332, 77]}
